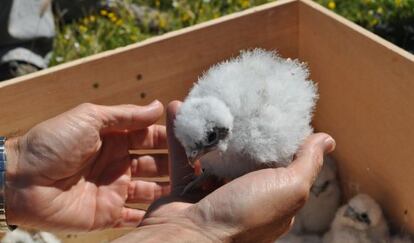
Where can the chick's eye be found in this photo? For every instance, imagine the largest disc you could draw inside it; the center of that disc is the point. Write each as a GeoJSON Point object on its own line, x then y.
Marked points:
{"type": "Point", "coordinates": [211, 138]}
{"type": "Point", "coordinates": [364, 216]}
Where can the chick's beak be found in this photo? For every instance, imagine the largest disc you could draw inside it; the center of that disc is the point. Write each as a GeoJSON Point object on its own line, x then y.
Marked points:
{"type": "Point", "coordinates": [350, 213]}
{"type": "Point", "coordinates": [316, 190]}
{"type": "Point", "coordinates": [193, 158]}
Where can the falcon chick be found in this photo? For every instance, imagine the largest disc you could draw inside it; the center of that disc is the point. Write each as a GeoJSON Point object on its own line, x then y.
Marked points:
{"type": "Point", "coordinates": [324, 199]}
{"type": "Point", "coordinates": [247, 113]}
{"type": "Point", "coordinates": [359, 221]}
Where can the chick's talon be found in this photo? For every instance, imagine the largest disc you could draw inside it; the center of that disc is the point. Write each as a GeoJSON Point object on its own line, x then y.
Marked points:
{"type": "Point", "coordinates": [196, 183]}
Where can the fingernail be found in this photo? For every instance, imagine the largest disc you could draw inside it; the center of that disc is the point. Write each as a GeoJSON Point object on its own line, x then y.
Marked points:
{"type": "Point", "coordinates": [329, 144]}
{"type": "Point", "coordinates": [154, 103]}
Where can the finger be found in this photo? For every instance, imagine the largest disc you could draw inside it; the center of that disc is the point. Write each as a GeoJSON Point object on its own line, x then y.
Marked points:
{"type": "Point", "coordinates": [152, 137]}
{"type": "Point", "coordinates": [146, 192]}
{"type": "Point", "coordinates": [180, 170]}
{"type": "Point", "coordinates": [149, 165]}
{"type": "Point", "coordinates": [130, 117]}
{"type": "Point", "coordinates": [309, 159]}
{"type": "Point", "coordinates": [130, 217]}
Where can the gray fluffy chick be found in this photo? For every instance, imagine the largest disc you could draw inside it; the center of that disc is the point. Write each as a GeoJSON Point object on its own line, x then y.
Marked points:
{"type": "Point", "coordinates": [359, 221]}
{"type": "Point", "coordinates": [20, 235]}
{"type": "Point", "coordinates": [324, 200]}
{"type": "Point", "coordinates": [247, 113]}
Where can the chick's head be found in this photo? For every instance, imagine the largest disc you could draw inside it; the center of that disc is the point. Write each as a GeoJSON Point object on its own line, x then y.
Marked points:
{"type": "Point", "coordinates": [362, 212]}
{"type": "Point", "coordinates": [326, 182]}
{"type": "Point", "coordinates": [203, 125]}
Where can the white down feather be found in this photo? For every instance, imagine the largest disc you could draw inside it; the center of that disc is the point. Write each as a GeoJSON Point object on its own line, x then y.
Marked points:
{"type": "Point", "coordinates": [266, 102]}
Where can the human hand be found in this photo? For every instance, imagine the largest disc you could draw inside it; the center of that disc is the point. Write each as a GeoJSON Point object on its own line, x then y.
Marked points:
{"type": "Point", "coordinates": [257, 207]}
{"type": "Point", "coordinates": [74, 171]}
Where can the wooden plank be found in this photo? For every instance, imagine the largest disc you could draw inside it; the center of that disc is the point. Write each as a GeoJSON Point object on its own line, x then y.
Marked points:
{"type": "Point", "coordinates": [366, 103]}
{"type": "Point", "coordinates": [104, 236]}
{"type": "Point", "coordinates": [160, 68]}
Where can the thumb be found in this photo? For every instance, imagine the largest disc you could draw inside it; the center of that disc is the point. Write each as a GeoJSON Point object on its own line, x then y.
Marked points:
{"type": "Point", "coordinates": [126, 117]}
{"type": "Point", "coordinates": [309, 160]}
{"type": "Point", "coordinates": [180, 170]}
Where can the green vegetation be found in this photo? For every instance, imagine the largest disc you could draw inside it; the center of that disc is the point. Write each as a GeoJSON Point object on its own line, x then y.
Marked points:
{"type": "Point", "coordinates": [128, 21]}
{"type": "Point", "coordinates": [390, 19]}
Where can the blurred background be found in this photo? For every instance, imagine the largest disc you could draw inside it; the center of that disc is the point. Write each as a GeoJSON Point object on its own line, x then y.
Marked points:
{"type": "Point", "coordinates": [37, 34]}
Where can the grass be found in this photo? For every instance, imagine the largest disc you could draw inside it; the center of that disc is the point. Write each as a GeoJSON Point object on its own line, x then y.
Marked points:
{"type": "Point", "coordinates": [122, 23]}
{"type": "Point", "coordinates": [128, 21]}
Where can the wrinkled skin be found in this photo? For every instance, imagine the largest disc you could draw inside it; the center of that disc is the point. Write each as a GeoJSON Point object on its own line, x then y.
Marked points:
{"type": "Point", "coordinates": [74, 172]}
{"type": "Point", "coordinates": [257, 207]}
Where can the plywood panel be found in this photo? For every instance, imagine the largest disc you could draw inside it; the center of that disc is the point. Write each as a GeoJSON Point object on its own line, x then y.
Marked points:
{"type": "Point", "coordinates": [366, 103]}
{"type": "Point", "coordinates": [161, 68]}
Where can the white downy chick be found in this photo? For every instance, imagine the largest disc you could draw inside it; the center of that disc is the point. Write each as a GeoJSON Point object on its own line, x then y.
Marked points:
{"type": "Point", "coordinates": [247, 113]}
{"type": "Point", "coordinates": [23, 236]}
{"type": "Point", "coordinates": [17, 236]}
{"type": "Point", "coordinates": [324, 200]}
{"type": "Point", "coordinates": [359, 221]}
{"type": "Point", "coordinates": [45, 237]}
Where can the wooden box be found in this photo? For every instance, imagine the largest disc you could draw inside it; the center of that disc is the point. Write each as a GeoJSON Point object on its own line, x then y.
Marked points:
{"type": "Point", "coordinates": [365, 83]}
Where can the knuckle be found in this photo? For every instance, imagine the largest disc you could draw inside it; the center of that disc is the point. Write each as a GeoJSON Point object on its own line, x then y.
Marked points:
{"type": "Point", "coordinates": [89, 113]}
{"type": "Point", "coordinates": [88, 108]}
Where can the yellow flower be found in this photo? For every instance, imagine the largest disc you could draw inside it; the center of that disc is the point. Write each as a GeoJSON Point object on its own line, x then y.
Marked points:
{"type": "Point", "coordinates": [216, 15]}
{"type": "Point", "coordinates": [245, 3]}
{"type": "Point", "coordinates": [82, 28]}
{"type": "Point", "coordinates": [380, 10]}
{"type": "Point", "coordinates": [185, 17]}
{"type": "Point", "coordinates": [92, 18]}
{"type": "Point", "coordinates": [104, 12]}
{"type": "Point", "coordinates": [331, 5]}
{"type": "Point", "coordinates": [162, 23]}
{"type": "Point", "coordinates": [119, 22]}
{"type": "Point", "coordinates": [133, 37]}
{"type": "Point", "coordinates": [374, 22]}
{"type": "Point", "coordinates": [398, 3]}
{"type": "Point", "coordinates": [85, 21]}
{"type": "Point", "coordinates": [111, 15]}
